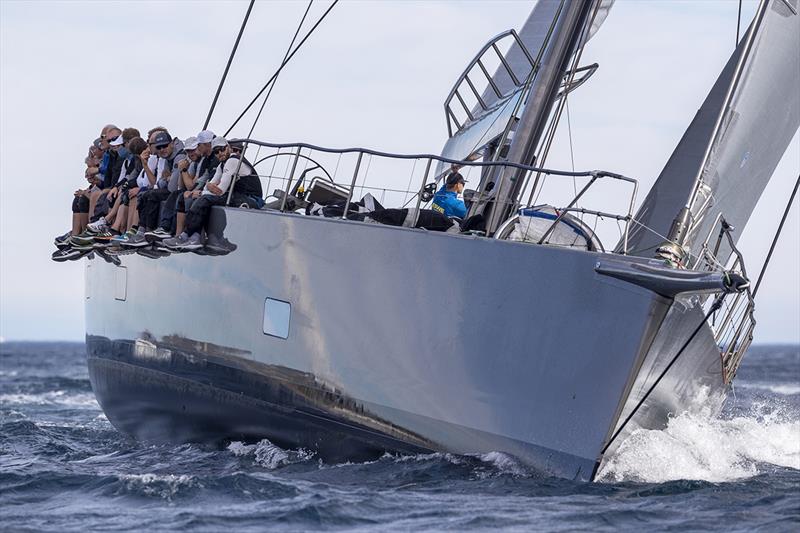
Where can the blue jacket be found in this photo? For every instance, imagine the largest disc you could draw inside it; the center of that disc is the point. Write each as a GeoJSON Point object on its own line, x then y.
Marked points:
{"type": "Point", "coordinates": [447, 202]}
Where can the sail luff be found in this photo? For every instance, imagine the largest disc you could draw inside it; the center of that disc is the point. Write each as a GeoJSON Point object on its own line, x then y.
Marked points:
{"type": "Point", "coordinates": [734, 142]}
{"type": "Point", "coordinates": [754, 28]}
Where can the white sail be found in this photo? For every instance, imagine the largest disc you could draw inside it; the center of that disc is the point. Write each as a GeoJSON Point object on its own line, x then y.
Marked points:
{"type": "Point", "coordinates": [761, 116]}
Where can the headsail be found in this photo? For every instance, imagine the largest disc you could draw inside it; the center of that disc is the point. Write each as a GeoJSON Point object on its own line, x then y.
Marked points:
{"type": "Point", "coordinates": [761, 115]}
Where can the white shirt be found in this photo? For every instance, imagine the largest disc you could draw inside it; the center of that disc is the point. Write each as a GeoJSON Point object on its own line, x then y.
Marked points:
{"type": "Point", "coordinates": [152, 164]}
{"type": "Point", "coordinates": [224, 174]}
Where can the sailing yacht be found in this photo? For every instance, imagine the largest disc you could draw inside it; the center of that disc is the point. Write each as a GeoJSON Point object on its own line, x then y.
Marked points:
{"type": "Point", "coordinates": [332, 322]}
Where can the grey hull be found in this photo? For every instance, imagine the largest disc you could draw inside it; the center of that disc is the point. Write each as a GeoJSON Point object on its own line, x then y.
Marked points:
{"type": "Point", "coordinates": [392, 345]}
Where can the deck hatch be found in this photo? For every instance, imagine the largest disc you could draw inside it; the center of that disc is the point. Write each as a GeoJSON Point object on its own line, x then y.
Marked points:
{"type": "Point", "coordinates": [277, 315]}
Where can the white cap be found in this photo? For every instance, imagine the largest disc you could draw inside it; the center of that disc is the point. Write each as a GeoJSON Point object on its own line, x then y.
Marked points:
{"type": "Point", "coordinates": [117, 141]}
{"type": "Point", "coordinates": [219, 142]}
{"type": "Point", "coordinates": [205, 136]}
{"type": "Point", "coordinates": [190, 143]}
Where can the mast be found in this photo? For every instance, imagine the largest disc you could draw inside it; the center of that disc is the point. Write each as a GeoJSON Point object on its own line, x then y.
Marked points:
{"type": "Point", "coordinates": [541, 95]}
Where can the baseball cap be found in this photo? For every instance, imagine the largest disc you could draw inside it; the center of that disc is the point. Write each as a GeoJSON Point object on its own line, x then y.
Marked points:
{"type": "Point", "coordinates": [162, 137]}
{"type": "Point", "coordinates": [454, 178]}
{"type": "Point", "coordinates": [205, 136]}
{"type": "Point", "coordinates": [219, 142]}
{"type": "Point", "coordinates": [190, 143]}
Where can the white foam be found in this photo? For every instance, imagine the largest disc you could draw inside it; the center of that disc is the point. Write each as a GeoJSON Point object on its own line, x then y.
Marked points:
{"type": "Point", "coordinates": [269, 455]}
{"type": "Point", "coordinates": [50, 398]}
{"type": "Point", "coordinates": [505, 464]}
{"type": "Point", "coordinates": [699, 446]}
{"type": "Point", "coordinates": [161, 485]}
{"type": "Point", "coordinates": [784, 389]}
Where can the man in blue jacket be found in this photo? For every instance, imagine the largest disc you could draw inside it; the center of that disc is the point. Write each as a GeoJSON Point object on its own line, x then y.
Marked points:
{"type": "Point", "coordinates": [446, 199]}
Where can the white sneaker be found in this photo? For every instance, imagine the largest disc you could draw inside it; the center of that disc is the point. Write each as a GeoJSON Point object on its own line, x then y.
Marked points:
{"type": "Point", "coordinates": [98, 226]}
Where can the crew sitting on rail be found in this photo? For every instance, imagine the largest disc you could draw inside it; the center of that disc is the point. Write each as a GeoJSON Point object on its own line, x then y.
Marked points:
{"type": "Point", "coordinates": [115, 221]}
{"type": "Point", "coordinates": [446, 200]}
{"type": "Point", "coordinates": [245, 189]}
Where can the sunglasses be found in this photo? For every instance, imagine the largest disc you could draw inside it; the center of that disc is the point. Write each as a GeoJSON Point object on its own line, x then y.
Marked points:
{"type": "Point", "coordinates": [161, 146]}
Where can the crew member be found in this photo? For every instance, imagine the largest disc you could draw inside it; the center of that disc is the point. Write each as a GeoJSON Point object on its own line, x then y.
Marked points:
{"type": "Point", "coordinates": [446, 200]}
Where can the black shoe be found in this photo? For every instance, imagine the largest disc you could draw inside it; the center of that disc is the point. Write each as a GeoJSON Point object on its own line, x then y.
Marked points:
{"type": "Point", "coordinates": [69, 254]}
{"type": "Point", "coordinates": [62, 241]}
{"type": "Point", "coordinates": [114, 260]}
{"type": "Point", "coordinates": [157, 235]}
{"type": "Point", "coordinates": [219, 245]}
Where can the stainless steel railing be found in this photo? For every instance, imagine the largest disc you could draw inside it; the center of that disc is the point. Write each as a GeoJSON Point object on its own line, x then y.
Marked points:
{"type": "Point", "coordinates": [490, 48]}
{"type": "Point", "coordinates": [350, 169]}
{"type": "Point", "coordinates": [734, 324]}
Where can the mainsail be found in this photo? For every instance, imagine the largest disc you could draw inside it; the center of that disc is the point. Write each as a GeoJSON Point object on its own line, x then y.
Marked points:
{"type": "Point", "coordinates": [729, 152]}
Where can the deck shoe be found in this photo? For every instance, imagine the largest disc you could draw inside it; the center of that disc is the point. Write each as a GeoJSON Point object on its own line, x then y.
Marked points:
{"type": "Point", "coordinates": [97, 226]}
{"type": "Point", "coordinates": [84, 246]}
{"type": "Point", "coordinates": [193, 243]}
{"type": "Point", "coordinates": [83, 239]}
{"type": "Point", "coordinates": [175, 243]}
{"type": "Point", "coordinates": [103, 235]}
{"type": "Point", "coordinates": [152, 253]}
{"type": "Point", "coordinates": [66, 254]}
{"type": "Point", "coordinates": [158, 234]}
{"type": "Point", "coordinates": [62, 241]}
{"type": "Point", "coordinates": [114, 260]}
{"type": "Point", "coordinates": [136, 241]}
{"type": "Point", "coordinates": [219, 245]}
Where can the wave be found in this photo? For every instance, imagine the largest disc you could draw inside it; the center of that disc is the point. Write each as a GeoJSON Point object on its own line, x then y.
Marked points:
{"type": "Point", "coordinates": [58, 397]}
{"type": "Point", "coordinates": [783, 389]}
{"type": "Point", "coordinates": [268, 455]}
{"type": "Point", "coordinates": [164, 486]}
{"type": "Point", "coordinates": [699, 446]}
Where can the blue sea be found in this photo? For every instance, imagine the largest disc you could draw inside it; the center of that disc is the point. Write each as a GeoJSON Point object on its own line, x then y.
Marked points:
{"type": "Point", "coordinates": [63, 467]}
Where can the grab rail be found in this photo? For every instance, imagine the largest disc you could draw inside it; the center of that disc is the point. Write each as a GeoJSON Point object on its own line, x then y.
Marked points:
{"type": "Point", "coordinates": [734, 332]}
{"type": "Point", "coordinates": [477, 60]}
{"type": "Point", "coordinates": [295, 152]}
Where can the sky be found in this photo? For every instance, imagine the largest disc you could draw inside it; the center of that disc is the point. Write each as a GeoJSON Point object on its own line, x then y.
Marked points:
{"type": "Point", "coordinates": [374, 74]}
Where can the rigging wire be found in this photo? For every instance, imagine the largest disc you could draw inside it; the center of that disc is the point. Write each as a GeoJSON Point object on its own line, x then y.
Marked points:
{"type": "Point", "coordinates": [228, 66]}
{"type": "Point", "coordinates": [714, 307]}
{"type": "Point", "coordinates": [777, 236]}
{"type": "Point", "coordinates": [264, 103]}
{"type": "Point", "coordinates": [272, 86]}
{"type": "Point", "coordinates": [738, 24]}
{"type": "Point", "coordinates": [283, 64]}
{"type": "Point", "coordinates": [571, 152]}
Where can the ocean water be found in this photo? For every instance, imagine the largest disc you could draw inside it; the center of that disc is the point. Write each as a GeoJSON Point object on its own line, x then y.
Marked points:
{"type": "Point", "coordinates": [63, 467]}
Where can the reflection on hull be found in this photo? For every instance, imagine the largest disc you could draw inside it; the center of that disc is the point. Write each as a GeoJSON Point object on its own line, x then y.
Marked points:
{"type": "Point", "coordinates": [185, 398]}
{"type": "Point", "coordinates": [382, 352]}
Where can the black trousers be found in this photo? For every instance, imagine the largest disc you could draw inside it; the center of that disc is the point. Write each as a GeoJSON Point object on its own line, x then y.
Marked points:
{"type": "Point", "coordinates": [197, 216]}
{"type": "Point", "coordinates": [167, 221]}
{"type": "Point", "coordinates": [149, 206]}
